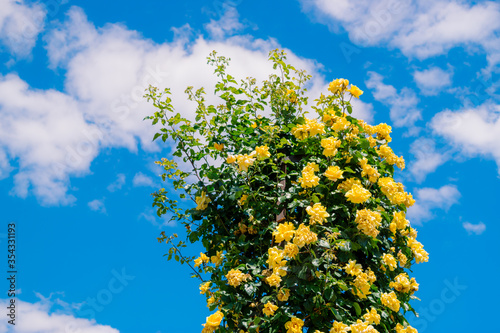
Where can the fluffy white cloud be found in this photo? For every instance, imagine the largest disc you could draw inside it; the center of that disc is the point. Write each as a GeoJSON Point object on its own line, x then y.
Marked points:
{"type": "Point", "coordinates": [20, 25]}
{"type": "Point", "coordinates": [431, 81]}
{"type": "Point", "coordinates": [418, 28]}
{"type": "Point", "coordinates": [477, 229]}
{"type": "Point", "coordinates": [56, 135]}
{"type": "Point", "coordinates": [474, 131]}
{"type": "Point", "coordinates": [228, 24]}
{"type": "Point", "coordinates": [402, 104]}
{"type": "Point", "coordinates": [97, 205]}
{"type": "Point", "coordinates": [38, 318]}
{"type": "Point", "coordinates": [118, 183]}
{"type": "Point", "coordinates": [141, 179]}
{"type": "Point", "coordinates": [427, 158]}
{"type": "Point", "coordinates": [430, 199]}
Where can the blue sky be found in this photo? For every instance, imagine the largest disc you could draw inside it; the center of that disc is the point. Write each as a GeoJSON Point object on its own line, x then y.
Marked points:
{"type": "Point", "coordinates": [76, 159]}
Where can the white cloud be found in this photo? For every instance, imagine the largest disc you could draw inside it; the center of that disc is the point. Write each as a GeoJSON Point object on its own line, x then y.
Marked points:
{"type": "Point", "coordinates": [38, 318]}
{"type": "Point", "coordinates": [427, 158]}
{"type": "Point", "coordinates": [477, 229]}
{"type": "Point", "coordinates": [226, 25]}
{"type": "Point", "coordinates": [418, 28]}
{"type": "Point", "coordinates": [56, 135]}
{"type": "Point", "coordinates": [362, 110]}
{"type": "Point", "coordinates": [431, 81]}
{"type": "Point", "coordinates": [141, 179]}
{"type": "Point", "coordinates": [474, 131]}
{"type": "Point", "coordinates": [402, 104]}
{"type": "Point", "coordinates": [20, 25]}
{"type": "Point", "coordinates": [97, 206]}
{"type": "Point", "coordinates": [118, 183]}
{"type": "Point", "coordinates": [429, 199]}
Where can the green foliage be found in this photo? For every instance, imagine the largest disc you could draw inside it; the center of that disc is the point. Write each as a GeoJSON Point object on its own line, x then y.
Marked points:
{"type": "Point", "coordinates": [260, 167]}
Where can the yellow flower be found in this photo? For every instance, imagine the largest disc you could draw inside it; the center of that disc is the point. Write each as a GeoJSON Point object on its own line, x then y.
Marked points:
{"type": "Point", "coordinates": [262, 152]}
{"type": "Point", "coordinates": [339, 327]}
{"type": "Point", "coordinates": [274, 280]}
{"type": "Point", "coordinates": [338, 85]}
{"type": "Point", "coordinates": [294, 325]}
{"type": "Point", "coordinates": [372, 141]}
{"type": "Point", "coordinates": [317, 214]}
{"type": "Point", "coordinates": [334, 173]}
{"type": "Point", "coordinates": [215, 319]}
{"type": "Point", "coordinates": [399, 219]}
{"type": "Point", "coordinates": [368, 222]}
{"type": "Point", "coordinates": [217, 259]}
{"type": "Point", "coordinates": [358, 194]}
{"type": "Point", "coordinates": [383, 130]}
{"type": "Point", "coordinates": [204, 287]}
{"type": "Point", "coordinates": [211, 300]}
{"type": "Point", "coordinates": [355, 91]}
{"type": "Point", "coordinates": [352, 268]}
{"type": "Point", "coordinates": [304, 236]}
{"type": "Point", "coordinates": [244, 161]}
{"type": "Point", "coordinates": [235, 277]}
{"type": "Point", "coordinates": [231, 159]}
{"type": "Point", "coordinates": [390, 300]}
{"type": "Point", "coordinates": [202, 259]}
{"type": "Point", "coordinates": [362, 327]}
{"type": "Point", "coordinates": [330, 146]}
{"type": "Point", "coordinates": [402, 283]}
{"type": "Point", "coordinates": [202, 201]}
{"type": "Point", "coordinates": [284, 232]}
{"type": "Point", "coordinates": [243, 199]}
{"type": "Point", "coordinates": [310, 128]}
{"type": "Point", "coordinates": [418, 250]}
{"type": "Point", "coordinates": [254, 125]}
{"type": "Point", "coordinates": [400, 329]}
{"type": "Point", "coordinates": [218, 146]}
{"type": "Point", "coordinates": [340, 124]}
{"type": "Point", "coordinates": [402, 259]}
{"type": "Point", "coordinates": [369, 171]}
{"type": "Point", "coordinates": [269, 309]}
{"type": "Point", "coordinates": [347, 184]}
{"type": "Point", "coordinates": [309, 179]}
{"type": "Point", "coordinates": [400, 162]}
{"type": "Point", "coordinates": [362, 284]}
{"type": "Point", "coordinates": [372, 317]}
{"type": "Point", "coordinates": [275, 258]}
{"type": "Point", "coordinates": [291, 250]}
{"type": "Point", "coordinates": [283, 295]}
{"type": "Point", "coordinates": [385, 152]}
{"type": "Point", "coordinates": [389, 261]}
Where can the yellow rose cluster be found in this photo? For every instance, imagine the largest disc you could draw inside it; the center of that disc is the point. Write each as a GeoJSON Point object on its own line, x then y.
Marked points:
{"type": "Point", "coordinates": [235, 277]}
{"type": "Point", "coordinates": [358, 194]}
{"type": "Point", "coordinates": [395, 192]}
{"type": "Point", "coordinates": [294, 325]}
{"type": "Point", "coordinates": [391, 301]}
{"type": "Point", "coordinates": [368, 222]}
{"type": "Point", "coordinates": [317, 214]}
{"type": "Point", "coordinates": [245, 161]}
{"type": "Point", "coordinates": [309, 179]}
{"type": "Point", "coordinates": [363, 279]}
{"type": "Point", "coordinates": [213, 322]}
{"type": "Point", "coordinates": [330, 146]}
{"type": "Point", "coordinates": [311, 128]}
{"type": "Point", "coordinates": [404, 284]}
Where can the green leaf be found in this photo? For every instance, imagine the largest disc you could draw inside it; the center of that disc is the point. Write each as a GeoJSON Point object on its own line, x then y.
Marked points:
{"type": "Point", "coordinates": [357, 308]}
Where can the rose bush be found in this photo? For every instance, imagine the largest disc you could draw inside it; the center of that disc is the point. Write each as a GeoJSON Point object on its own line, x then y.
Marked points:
{"type": "Point", "coordinates": [303, 225]}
